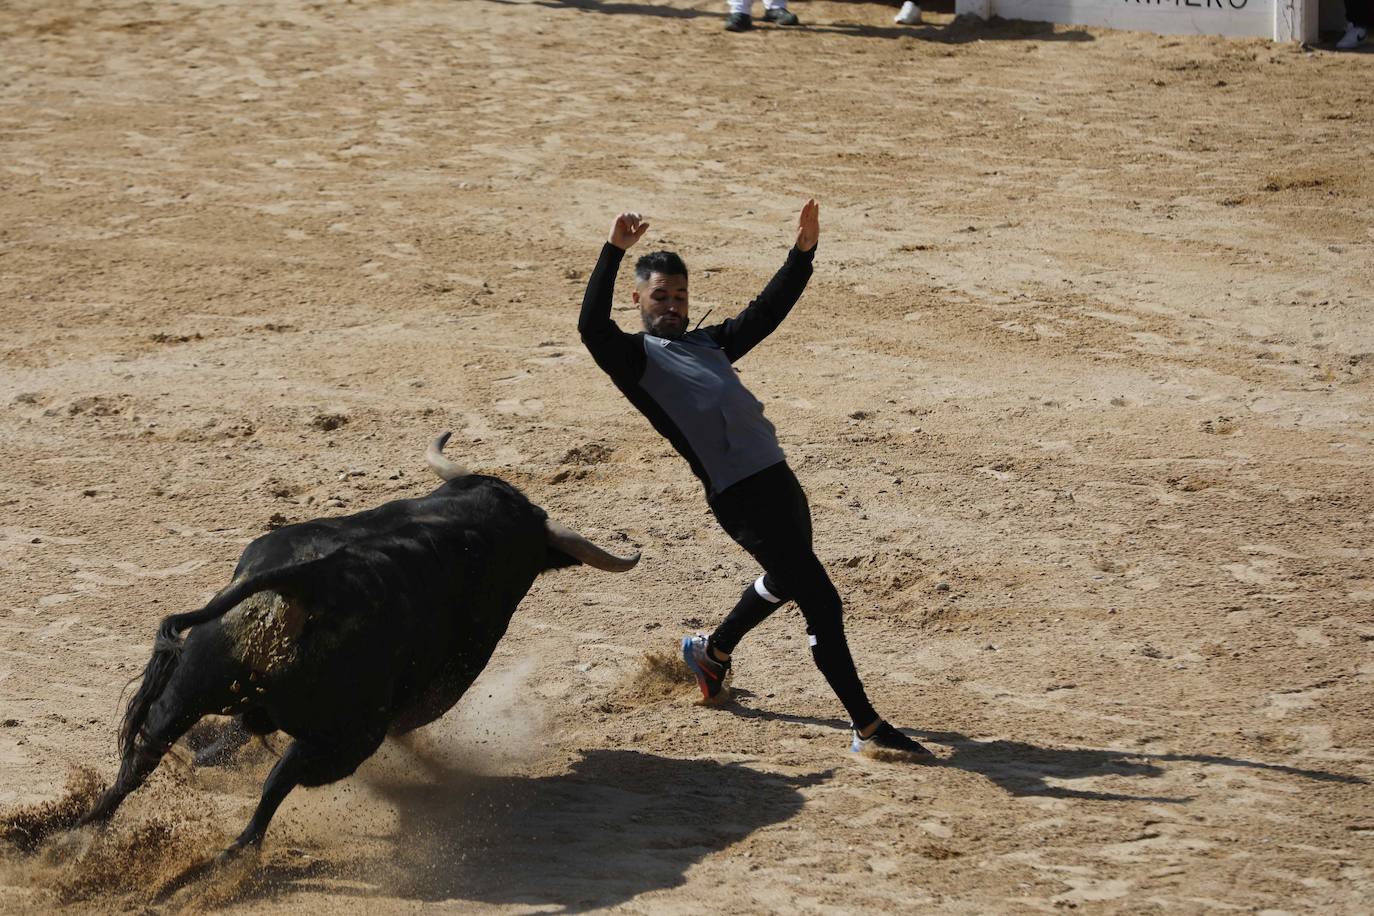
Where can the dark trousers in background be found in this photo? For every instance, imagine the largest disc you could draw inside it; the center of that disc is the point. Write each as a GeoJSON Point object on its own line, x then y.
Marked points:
{"type": "Point", "coordinates": [767, 514]}
{"type": "Point", "coordinates": [1360, 12]}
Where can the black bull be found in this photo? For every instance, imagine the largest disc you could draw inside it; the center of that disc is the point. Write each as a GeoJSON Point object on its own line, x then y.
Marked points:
{"type": "Point", "coordinates": [341, 631]}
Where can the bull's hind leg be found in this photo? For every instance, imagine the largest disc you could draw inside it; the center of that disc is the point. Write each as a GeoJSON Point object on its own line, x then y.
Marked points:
{"type": "Point", "coordinates": [305, 763]}
{"type": "Point", "coordinates": [199, 683]}
{"type": "Point", "coordinates": [168, 720]}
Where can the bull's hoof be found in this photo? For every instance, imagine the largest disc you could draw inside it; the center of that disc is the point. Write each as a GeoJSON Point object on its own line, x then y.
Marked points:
{"type": "Point", "coordinates": [21, 838]}
{"type": "Point", "coordinates": [239, 851]}
{"type": "Point", "coordinates": [229, 856]}
{"type": "Point", "coordinates": [74, 842]}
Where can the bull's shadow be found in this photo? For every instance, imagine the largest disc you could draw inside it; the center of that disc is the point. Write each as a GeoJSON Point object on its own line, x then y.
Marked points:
{"type": "Point", "coordinates": [616, 825]}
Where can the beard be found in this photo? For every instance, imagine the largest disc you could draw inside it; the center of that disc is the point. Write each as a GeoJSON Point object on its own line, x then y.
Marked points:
{"type": "Point", "coordinates": [669, 327]}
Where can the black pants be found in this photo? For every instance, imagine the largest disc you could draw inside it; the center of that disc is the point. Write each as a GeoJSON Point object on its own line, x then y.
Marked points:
{"type": "Point", "coordinates": [1360, 12]}
{"type": "Point", "coordinates": [767, 514]}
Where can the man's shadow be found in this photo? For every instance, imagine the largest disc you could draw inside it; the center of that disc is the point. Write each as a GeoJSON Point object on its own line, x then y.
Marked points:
{"type": "Point", "coordinates": [1027, 769]}
{"type": "Point", "coordinates": [616, 825]}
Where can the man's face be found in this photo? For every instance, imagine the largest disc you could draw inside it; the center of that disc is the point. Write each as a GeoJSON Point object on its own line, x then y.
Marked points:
{"type": "Point", "coordinates": [662, 301]}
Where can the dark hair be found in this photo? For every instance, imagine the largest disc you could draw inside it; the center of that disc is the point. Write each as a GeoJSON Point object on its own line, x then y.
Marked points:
{"type": "Point", "coordinates": [667, 263]}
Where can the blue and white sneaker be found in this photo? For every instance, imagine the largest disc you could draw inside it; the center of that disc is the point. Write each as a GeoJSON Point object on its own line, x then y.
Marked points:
{"type": "Point", "coordinates": [887, 740]}
{"type": "Point", "coordinates": [710, 674]}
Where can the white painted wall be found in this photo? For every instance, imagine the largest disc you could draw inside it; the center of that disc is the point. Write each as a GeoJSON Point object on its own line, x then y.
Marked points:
{"type": "Point", "coordinates": [1280, 20]}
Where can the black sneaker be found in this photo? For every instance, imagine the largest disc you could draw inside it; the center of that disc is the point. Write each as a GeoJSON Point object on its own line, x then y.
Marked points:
{"type": "Point", "coordinates": [887, 740]}
{"type": "Point", "coordinates": [781, 16]}
{"type": "Point", "coordinates": [738, 22]}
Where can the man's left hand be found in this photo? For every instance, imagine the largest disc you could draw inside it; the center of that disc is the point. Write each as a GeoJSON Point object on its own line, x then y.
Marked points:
{"type": "Point", "coordinates": [809, 225]}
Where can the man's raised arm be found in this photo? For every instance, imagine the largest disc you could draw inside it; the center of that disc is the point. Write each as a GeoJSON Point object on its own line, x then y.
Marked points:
{"type": "Point", "coordinates": [616, 352]}
{"type": "Point", "coordinates": [742, 333]}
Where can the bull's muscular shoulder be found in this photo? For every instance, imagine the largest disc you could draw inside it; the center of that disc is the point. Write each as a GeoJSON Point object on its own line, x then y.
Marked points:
{"type": "Point", "coordinates": [460, 515]}
{"type": "Point", "coordinates": [480, 491]}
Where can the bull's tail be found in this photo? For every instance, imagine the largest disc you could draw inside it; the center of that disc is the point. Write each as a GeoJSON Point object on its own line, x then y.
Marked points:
{"type": "Point", "coordinates": [136, 761]}
{"type": "Point", "coordinates": [166, 654]}
{"type": "Point", "coordinates": [167, 645]}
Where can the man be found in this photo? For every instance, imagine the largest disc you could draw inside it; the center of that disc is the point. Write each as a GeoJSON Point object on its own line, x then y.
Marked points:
{"type": "Point", "coordinates": [684, 383]}
{"type": "Point", "coordinates": [774, 11]}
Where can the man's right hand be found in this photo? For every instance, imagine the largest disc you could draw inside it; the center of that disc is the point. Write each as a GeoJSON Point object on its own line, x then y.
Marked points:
{"type": "Point", "coordinates": [627, 229]}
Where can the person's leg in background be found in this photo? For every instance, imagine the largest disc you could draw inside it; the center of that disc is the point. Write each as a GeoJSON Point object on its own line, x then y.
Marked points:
{"type": "Point", "coordinates": [738, 19]}
{"type": "Point", "coordinates": [1359, 16]}
{"type": "Point", "coordinates": [910, 14]}
{"type": "Point", "coordinates": [776, 12]}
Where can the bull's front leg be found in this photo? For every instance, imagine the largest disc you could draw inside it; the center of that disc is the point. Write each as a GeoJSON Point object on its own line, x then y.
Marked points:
{"type": "Point", "coordinates": [305, 763]}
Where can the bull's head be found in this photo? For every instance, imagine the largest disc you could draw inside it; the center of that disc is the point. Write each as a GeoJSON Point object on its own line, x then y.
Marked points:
{"type": "Point", "coordinates": [560, 537]}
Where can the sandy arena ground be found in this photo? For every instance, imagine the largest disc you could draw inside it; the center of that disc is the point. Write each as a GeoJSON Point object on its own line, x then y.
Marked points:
{"type": "Point", "coordinates": [1081, 392]}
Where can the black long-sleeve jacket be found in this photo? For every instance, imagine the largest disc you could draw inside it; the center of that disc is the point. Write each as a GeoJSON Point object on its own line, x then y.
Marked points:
{"type": "Point", "coordinates": [687, 388]}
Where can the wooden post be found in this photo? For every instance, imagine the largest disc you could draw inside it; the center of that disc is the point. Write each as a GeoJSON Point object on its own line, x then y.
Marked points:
{"type": "Point", "coordinates": [1295, 20]}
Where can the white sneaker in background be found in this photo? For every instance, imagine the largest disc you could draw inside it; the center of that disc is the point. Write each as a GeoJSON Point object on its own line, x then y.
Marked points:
{"type": "Point", "coordinates": [1354, 37]}
{"type": "Point", "coordinates": [911, 15]}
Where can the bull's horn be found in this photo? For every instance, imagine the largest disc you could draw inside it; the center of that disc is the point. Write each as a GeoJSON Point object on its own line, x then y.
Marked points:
{"type": "Point", "coordinates": [444, 467]}
{"type": "Point", "coordinates": [579, 548]}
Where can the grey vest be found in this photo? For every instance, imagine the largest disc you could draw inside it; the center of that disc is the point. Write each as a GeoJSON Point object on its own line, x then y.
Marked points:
{"type": "Point", "coordinates": [693, 381]}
